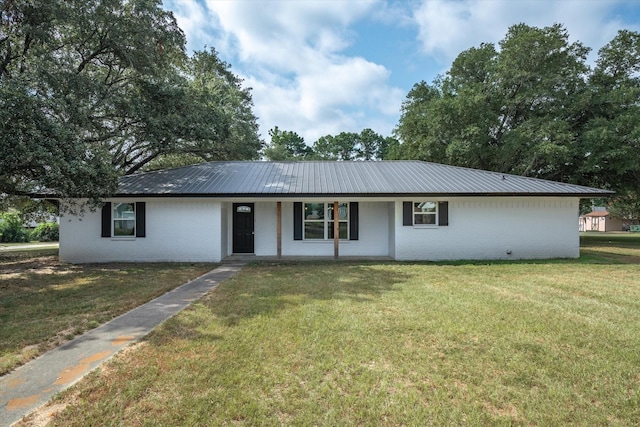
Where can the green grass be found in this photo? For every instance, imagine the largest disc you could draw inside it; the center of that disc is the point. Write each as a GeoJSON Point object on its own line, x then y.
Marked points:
{"type": "Point", "coordinates": [44, 303]}
{"type": "Point", "coordinates": [504, 343]}
{"type": "Point", "coordinates": [607, 247]}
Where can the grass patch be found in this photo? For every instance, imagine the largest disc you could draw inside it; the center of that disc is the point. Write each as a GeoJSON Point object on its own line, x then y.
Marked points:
{"type": "Point", "coordinates": [524, 343]}
{"type": "Point", "coordinates": [44, 303]}
{"type": "Point", "coordinates": [610, 247]}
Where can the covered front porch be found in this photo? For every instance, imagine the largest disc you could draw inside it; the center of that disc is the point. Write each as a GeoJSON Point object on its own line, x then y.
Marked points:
{"type": "Point", "coordinates": [248, 258]}
{"type": "Point", "coordinates": [312, 228]}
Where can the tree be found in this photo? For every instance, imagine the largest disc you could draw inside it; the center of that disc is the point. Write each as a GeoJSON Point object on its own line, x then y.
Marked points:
{"type": "Point", "coordinates": [609, 152]}
{"type": "Point", "coordinates": [93, 89]}
{"type": "Point", "coordinates": [286, 145]}
{"type": "Point", "coordinates": [611, 139]}
{"type": "Point", "coordinates": [205, 115]}
{"type": "Point", "coordinates": [512, 110]}
{"type": "Point", "coordinates": [367, 145]}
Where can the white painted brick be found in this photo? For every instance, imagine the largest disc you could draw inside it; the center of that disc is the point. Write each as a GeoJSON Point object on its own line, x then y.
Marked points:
{"type": "Point", "coordinates": [176, 230]}
{"type": "Point", "coordinates": [201, 230]}
{"type": "Point", "coordinates": [486, 228]}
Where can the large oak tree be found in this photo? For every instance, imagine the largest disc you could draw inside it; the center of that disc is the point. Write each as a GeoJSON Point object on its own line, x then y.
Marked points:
{"type": "Point", "coordinates": [532, 106]}
{"type": "Point", "coordinates": [93, 89]}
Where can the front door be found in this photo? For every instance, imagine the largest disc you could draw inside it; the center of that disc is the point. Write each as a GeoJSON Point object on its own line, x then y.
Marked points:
{"type": "Point", "coordinates": [243, 228]}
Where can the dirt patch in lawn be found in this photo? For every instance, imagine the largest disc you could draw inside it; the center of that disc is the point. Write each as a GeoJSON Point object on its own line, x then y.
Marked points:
{"type": "Point", "coordinates": [18, 268]}
{"type": "Point", "coordinates": [45, 303]}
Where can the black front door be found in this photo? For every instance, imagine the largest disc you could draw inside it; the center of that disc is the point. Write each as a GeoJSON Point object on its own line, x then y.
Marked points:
{"type": "Point", "coordinates": [243, 228]}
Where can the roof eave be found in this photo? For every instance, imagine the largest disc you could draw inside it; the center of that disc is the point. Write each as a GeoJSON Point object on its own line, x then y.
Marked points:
{"type": "Point", "coordinates": [585, 195]}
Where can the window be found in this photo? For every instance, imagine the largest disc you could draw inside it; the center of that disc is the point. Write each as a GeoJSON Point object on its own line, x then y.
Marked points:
{"type": "Point", "coordinates": [425, 213]}
{"type": "Point", "coordinates": [343, 220]}
{"type": "Point", "coordinates": [124, 219]}
{"type": "Point", "coordinates": [319, 220]}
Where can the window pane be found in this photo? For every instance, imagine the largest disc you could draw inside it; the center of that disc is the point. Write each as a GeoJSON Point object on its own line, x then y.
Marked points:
{"type": "Point", "coordinates": [124, 219]}
{"type": "Point", "coordinates": [314, 230]}
{"type": "Point", "coordinates": [424, 219]}
{"type": "Point", "coordinates": [343, 230]}
{"type": "Point", "coordinates": [124, 211]}
{"type": "Point", "coordinates": [425, 207]}
{"type": "Point", "coordinates": [343, 211]}
{"type": "Point", "coordinates": [123, 227]}
{"type": "Point", "coordinates": [314, 211]}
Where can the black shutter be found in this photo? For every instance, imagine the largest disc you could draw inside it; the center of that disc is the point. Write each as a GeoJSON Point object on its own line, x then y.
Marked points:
{"type": "Point", "coordinates": [443, 213]}
{"type": "Point", "coordinates": [353, 221]}
{"type": "Point", "coordinates": [106, 220]}
{"type": "Point", "coordinates": [297, 221]}
{"type": "Point", "coordinates": [140, 219]}
{"type": "Point", "coordinates": [407, 213]}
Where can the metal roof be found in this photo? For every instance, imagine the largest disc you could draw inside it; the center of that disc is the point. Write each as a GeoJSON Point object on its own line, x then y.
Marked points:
{"type": "Point", "coordinates": [324, 178]}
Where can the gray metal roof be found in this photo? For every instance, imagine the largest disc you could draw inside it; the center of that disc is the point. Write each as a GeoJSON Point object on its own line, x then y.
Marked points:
{"type": "Point", "coordinates": [365, 179]}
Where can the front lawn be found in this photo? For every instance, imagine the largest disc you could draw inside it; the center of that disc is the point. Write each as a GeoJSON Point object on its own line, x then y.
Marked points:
{"type": "Point", "coordinates": [44, 303]}
{"type": "Point", "coordinates": [524, 343]}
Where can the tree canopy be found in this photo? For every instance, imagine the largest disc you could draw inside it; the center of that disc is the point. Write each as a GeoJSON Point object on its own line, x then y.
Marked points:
{"type": "Point", "coordinates": [286, 145]}
{"type": "Point", "coordinates": [93, 89]}
{"type": "Point", "coordinates": [533, 107]}
{"type": "Point", "coordinates": [366, 145]}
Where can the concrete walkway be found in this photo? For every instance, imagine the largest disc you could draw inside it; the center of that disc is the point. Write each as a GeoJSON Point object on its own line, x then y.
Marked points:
{"type": "Point", "coordinates": [28, 246]}
{"type": "Point", "coordinates": [34, 383]}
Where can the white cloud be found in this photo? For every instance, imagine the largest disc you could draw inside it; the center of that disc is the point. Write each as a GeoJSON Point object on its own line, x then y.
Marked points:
{"type": "Point", "coordinates": [192, 18]}
{"type": "Point", "coordinates": [291, 54]}
{"type": "Point", "coordinates": [446, 28]}
{"type": "Point", "coordinates": [337, 97]}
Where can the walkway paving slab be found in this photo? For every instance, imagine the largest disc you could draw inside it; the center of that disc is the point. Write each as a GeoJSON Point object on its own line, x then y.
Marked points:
{"type": "Point", "coordinates": [33, 384]}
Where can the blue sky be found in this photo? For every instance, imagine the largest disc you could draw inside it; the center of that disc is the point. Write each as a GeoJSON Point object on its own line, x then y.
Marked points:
{"type": "Point", "coordinates": [320, 67]}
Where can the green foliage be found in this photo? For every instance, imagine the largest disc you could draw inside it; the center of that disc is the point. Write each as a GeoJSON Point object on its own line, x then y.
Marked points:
{"type": "Point", "coordinates": [286, 145]}
{"type": "Point", "coordinates": [29, 209]}
{"type": "Point", "coordinates": [90, 90]}
{"type": "Point", "coordinates": [367, 145]}
{"type": "Point", "coordinates": [534, 108]}
{"type": "Point", "coordinates": [625, 206]}
{"type": "Point", "coordinates": [12, 229]}
{"type": "Point", "coordinates": [610, 141]}
{"type": "Point", "coordinates": [509, 110]}
{"type": "Point", "coordinates": [46, 232]}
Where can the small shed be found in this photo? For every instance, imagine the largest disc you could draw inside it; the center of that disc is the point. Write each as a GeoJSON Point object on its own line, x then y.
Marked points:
{"type": "Point", "coordinates": [599, 220]}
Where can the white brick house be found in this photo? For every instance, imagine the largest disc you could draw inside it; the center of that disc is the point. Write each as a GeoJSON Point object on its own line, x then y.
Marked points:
{"type": "Point", "coordinates": [405, 210]}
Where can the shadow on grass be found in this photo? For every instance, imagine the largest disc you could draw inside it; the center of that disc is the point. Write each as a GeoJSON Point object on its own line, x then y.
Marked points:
{"type": "Point", "coordinates": [264, 289]}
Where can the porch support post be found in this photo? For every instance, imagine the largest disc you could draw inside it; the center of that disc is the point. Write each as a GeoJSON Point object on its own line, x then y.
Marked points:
{"type": "Point", "coordinates": [279, 228]}
{"type": "Point", "coordinates": [336, 230]}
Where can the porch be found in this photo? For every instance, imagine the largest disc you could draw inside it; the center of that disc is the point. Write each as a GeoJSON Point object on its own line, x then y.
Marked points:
{"type": "Point", "coordinates": [246, 258]}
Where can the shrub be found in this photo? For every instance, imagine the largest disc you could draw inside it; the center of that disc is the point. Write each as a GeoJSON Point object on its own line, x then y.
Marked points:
{"type": "Point", "coordinates": [46, 232]}
{"type": "Point", "coordinates": [11, 228]}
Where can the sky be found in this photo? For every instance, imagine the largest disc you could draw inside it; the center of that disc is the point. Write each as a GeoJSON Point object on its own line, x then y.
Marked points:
{"type": "Point", "coordinates": [321, 67]}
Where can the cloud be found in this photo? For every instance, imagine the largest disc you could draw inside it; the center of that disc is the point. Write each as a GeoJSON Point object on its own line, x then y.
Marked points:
{"type": "Point", "coordinates": [291, 53]}
{"type": "Point", "coordinates": [340, 96]}
{"type": "Point", "coordinates": [446, 28]}
{"type": "Point", "coordinates": [192, 18]}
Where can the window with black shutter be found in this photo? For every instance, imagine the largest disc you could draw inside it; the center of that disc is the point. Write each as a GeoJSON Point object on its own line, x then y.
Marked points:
{"type": "Point", "coordinates": [123, 219]}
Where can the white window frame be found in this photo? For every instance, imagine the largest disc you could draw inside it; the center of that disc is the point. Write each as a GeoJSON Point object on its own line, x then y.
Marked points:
{"type": "Point", "coordinates": [417, 203]}
{"type": "Point", "coordinates": [114, 218]}
{"type": "Point", "coordinates": [325, 220]}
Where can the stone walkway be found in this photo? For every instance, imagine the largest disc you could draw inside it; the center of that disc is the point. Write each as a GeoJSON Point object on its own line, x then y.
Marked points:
{"type": "Point", "coordinates": [33, 384]}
